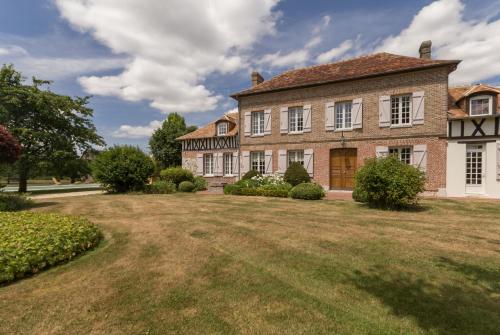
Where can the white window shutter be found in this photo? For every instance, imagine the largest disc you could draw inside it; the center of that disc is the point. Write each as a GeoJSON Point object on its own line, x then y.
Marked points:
{"type": "Point", "coordinates": [381, 151]}
{"type": "Point", "coordinates": [267, 122]}
{"type": "Point", "coordinates": [330, 116]}
{"type": "Point", "coordinates": [199, 164]}
{"type": "Point", "coordinates": [244, 162]}
{"type": "Point", "coordinates": [269, 161]}
{"type": "Point", "coordinates": [420, 157]}
{"type": "Point", "coordinates": [248, 123]}
{"type": "Point", "coordinates": [309, 161]}
{"type": "Point", "coordinates": [307, 118]}
{"type": "Point", "coordinates": [357, 113]}
{"type": "Point", "coordinates": [281, 161]}
{"type": "Point", "coordinates": [218, 164]}
{"type": "Point", "coordinates": [236, 161]}
{"type": "Point", "coordinates": [284, 120]}
{"type": "Point", "coordinates": [498, 161]}
{"type": "Point", "coordinates": [418, 107]}
{"type": "Point", "coordinates": [384, 111]}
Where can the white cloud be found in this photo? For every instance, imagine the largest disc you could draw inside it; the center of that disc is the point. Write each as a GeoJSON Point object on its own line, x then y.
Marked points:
{"type": "Point", "coordinates": [135, 132]}
{"type": "Point", "coordinates": [335, 52]}
{"type": "Point", "coordinates": [295, 58]}
{"type": "Point", "coordinates": [174, 45]}
{"type": "Point", "coordinates": [313, 42]}
{"type": "Point", "coordinates": [12, 50]}
{"type": "Point", "coordinates": [475, 42]}
{"type": "Point", "coordinates": [325, 21]}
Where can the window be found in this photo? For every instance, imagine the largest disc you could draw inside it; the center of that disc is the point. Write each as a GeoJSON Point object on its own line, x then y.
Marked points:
{"type": "Point", "coordinates": [400, 110]}
{"type": "Point", "coordinates": [295, 119]}
{"type": "Point", "coordinates": [228, 164]}
{"type": "Point", "coordinates": [343, 115]}
{"type": "Point", "coordinates": [481, 105]}
{"type": "Point", "coordinates": [257, 161]}
{"type": "Point", "coordinates": [404, 154]}
{"type": "Point", "coordinates": [257, 123]}
{"type": "Point", "coordinates": [208, 164]}
{"type": "Point", "coordinates": [222, 129]}
{"type": "Point", "coordinates": [295, 156]}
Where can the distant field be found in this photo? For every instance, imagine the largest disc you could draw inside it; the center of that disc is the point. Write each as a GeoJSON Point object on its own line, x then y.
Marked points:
{"type": "Point", "coordinates": [214, 264]}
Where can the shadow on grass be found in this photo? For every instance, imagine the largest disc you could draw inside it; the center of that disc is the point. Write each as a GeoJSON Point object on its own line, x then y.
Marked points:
{"type": "Point", "coordinates": [448, 308]}
{"type": "Point", "coordinates": [417, 208]}
{"type": "Point", "coordinates": [40, 204]}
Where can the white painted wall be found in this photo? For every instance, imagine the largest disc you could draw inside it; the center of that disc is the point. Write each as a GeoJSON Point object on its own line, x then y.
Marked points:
{"type": "Point", "coordinates": [455, 170]}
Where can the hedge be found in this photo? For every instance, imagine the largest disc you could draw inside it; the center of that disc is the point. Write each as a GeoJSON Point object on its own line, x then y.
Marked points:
{"type": "Point", "coordinates": [307, 191]}
{"type": "Point", "coordinates": [31, 242]}
{"type": "Point", "coordinates": [14, 202]}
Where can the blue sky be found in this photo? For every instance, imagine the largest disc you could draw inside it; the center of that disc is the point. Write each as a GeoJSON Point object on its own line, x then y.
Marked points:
{"type": "Point", "coordinates": [141, 62]}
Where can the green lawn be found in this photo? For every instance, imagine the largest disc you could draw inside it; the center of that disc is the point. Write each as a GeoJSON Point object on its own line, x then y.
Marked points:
{"type": "Point", "coordinates": [199, 264]}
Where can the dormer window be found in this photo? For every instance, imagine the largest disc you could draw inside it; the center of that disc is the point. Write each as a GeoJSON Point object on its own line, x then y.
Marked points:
{"type": "Point", "coordinates": [481, 105]}
{"type": "Point", "coordinates": [222, 129]}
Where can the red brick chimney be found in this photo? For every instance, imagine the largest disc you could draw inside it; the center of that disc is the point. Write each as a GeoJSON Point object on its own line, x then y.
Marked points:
{"type": "Point", "coordinates": [256, 78]}
{"type": "Point", "coordinates": [425, 50]}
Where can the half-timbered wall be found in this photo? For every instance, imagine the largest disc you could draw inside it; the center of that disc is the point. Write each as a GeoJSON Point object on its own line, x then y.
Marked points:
{"type": "Point", "coordinates": [473, 128]}
{"type": "Point", "coordinates": [211, 143]}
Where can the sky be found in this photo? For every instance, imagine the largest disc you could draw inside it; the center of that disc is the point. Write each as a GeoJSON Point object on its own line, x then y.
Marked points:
{"type": "Point", "coordinates": [143, 59]}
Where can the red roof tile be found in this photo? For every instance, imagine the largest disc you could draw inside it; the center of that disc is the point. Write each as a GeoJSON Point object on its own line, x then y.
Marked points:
{"type": "Point", "coordinates": [210, 130]}
{"type": "Point", "coordinates": [456, 94]}
{"type": "Point", "coordinates": [361, 67]}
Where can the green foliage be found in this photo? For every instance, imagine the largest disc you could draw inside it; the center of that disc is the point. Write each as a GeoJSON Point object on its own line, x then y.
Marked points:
{"type": "Point", "coordinates": [9, 147]}
{"type": "Point", "coordinates": [14, 202]}
{"type": "Point", "coordinates": [200, 183]}
{"type": "Point", "coordinates": [176, 175]}
{"type": "Point", "coordinates": [42, 121]}
{"type": "Point", "coordinates": [160, 187]}
{"type": "Point", "coordinates": [388, 183]}
{"type": "Point", "coordinates": [307, 191]}
{"type": "Point", "coordinates": [30, 242]}
{"type": "Point", "coordinates": [275, 190]}
{"type": "Point", "coordinates": [269, 186]}
{"type": "Point", "coordinates": [186, 186]}
{"type": "Point", "coordinates": [296, 174]}
{"type": "Point", "coordinates": [165, 148]}
{"type": "Point", "coordinates": [250, 174]}
{"type": "Point", "coordinates": [122, 169]}
{"type": "Point", "coordinates": [233, 189]}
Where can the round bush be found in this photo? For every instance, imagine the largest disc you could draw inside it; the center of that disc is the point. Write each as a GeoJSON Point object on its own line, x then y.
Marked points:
{"type": "Point", "coordinates": [30, 242]}
{"type": "Point", "coordinates": [200, 183]}
{"type": "Point", "coordinates": [233, 189]}
{"type": "Point", "coordinates": [160, 187]}
{"type": "Point", "coordinates": [388, 183]}
{"type": "Point", "coordinates": [14, 202]}
{"type": "Point", "coordinates": [275, 190]}
{"type": "Point", "coordinates": [250, 174]}
{"type": "Point", "coordinates": [307, 191]}
{"type": "Point", "coordinates": [176, 175]}
{"type": "Point", "coordinates": [122, 169]}
{"type": "Point", "coordinates": [186, 186]}
{"type": "Point", "coordinates": [296, 174]}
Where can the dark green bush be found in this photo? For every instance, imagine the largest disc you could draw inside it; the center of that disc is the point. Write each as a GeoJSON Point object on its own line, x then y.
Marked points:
{"type": "Point", "coordinates": [267, 190]}
{"type": "Point", "coordinates": [30, 242]}
{"type": "Point", "coordinates": [122, 169]}
{"type": "Point", "coordinates": [233, 189]}
{"type": "Point", "coordinates": [275, 190]}
{"type": "Point", "coordinates": [388, 183]}
{"type": "Point", "coordinates": [14, 202]}
{"type": "Point", "coordinates": [296, 174]}
{"type": "Point", "coordinates": [160, 187]}
{"type": "Point", "coordinates": [250, 174]}
{"type": "Point", "coordinates": [307, 191]}
{"type": "Point", "coordinates": [186, 186]}
{"type": "Point", "coordinates": [176, 175]}
{"type": "Point", "coordinates": [200, 183]}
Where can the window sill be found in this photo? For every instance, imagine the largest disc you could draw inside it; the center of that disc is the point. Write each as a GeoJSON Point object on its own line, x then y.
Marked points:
{"type": "Point", "coordinates": [401, 126]}
{"type": "Point", "coordinates": [295, 132]}
{"type": "Point", "coordinates": [229, 175]}
{"type": "Point", "coordinates": [257, 135]}
{"type": "Point", "coordinates": [339, 130]}
{"type": "Point", "coordinates": [209, 175]}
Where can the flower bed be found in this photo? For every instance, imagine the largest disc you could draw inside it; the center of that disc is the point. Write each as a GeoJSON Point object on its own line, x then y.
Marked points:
{"type": "Point", "coordinates": [30, 242]}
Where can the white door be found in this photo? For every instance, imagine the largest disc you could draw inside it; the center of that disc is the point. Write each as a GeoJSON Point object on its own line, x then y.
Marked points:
{"type": "Point", "coordinates": [475, 163]}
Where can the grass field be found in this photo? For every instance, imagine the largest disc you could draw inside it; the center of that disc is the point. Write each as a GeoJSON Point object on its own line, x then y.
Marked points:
{"type": "Point", "coordinates": [198, 264]}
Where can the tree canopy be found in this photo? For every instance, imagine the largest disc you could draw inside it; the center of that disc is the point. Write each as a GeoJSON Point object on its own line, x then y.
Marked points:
{"type": "Point", "coordinates": [45, 123]}
{"type": "Point", "coordinates": [165, 149]}
{"type": "Point", "coordinates": [9, 147]}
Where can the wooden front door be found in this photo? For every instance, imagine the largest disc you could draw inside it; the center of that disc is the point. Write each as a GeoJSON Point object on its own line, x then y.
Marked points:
{"type": "Point", "coordinates": [343, 164]}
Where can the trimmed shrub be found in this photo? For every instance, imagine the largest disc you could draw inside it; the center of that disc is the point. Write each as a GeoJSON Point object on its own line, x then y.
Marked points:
{"type": "Point", "coordinates": [122, 169]}
{"type": "Point", "coordinates": [307, 191]}
{"type": "Point", "coordinates": [160, 187]}
{"type": "Point", "coordinates": [388, 183]}
{"type": "Point", "coordinates": [275, 190]}
{"type": "Point", "coordinates": [186, 186]}
{"type": "Point", "coordinates": [176, 175]}
{"type": "Point", "coordinates": [14, 202]}
{"type": "Point", "coordinates": [250, 174]}
{"type": "Point", "coordinates": [296, 174]}
{"type": "Point", "coordinates": [200, 183]}
{"type": "Point", "coordinates": [232, 189]}
{"type": "Point", "coordinates": [30, 242]}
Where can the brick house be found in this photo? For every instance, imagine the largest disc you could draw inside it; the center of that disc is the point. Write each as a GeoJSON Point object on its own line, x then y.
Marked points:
{"type": "Point", "coordinates": [332, 117]}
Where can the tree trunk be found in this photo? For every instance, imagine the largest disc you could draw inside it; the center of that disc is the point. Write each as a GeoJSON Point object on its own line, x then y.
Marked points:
{"type": "Point", "coordinates": [23, 178]}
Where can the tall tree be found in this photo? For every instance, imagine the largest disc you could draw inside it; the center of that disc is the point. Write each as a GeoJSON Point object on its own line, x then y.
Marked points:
{"type": "Point", "coordinates": [44, 122]}
{"type": "Point", "coordinates": [166, 150]}
{"type": "Point", "coordinates": [9, 147]}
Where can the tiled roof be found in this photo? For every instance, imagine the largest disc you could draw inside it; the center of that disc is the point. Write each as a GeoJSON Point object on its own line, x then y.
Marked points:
{"type": "Point", "coordinates": [210, 130]}
{"type": "Point", "coordinates": [455, 94]}
{"type": "Point", "coordinates": [361, 67]}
